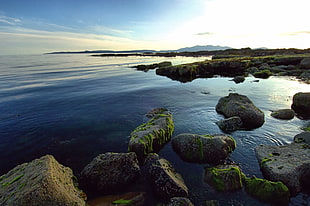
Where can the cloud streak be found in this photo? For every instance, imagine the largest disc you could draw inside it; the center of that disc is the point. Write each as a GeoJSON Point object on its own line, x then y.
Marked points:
{"type": "Point", "coordinates": [9, 20]}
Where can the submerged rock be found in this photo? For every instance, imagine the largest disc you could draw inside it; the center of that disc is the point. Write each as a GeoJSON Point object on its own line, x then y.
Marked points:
{"type": "Point", "coordinates": [267, 191]}
{"type": "Point", "coordinates": [151, 136]}
{"type": "Point", "coordinates": [301, 104]}
{"type": "Point", "coordinates": [283, 114]}
{"type": "Point", "coordinates": [42, 181]}
{"type": "Point", "coordinates": [166, 182]}
{"type": "Point", "coordinates": [289, 164]}
{"type": "Point", "coordinates": [180, 201]}
{"type": "Point", "coordinates": [241, 106]}
{"type": "Point", "coordinates": [230, 124]}
{"type": "Point", "coordinates": [303, 137]}
{"type": "Point", "coordinates": [224, 177]}
{"type": "Point", "coordinates": [203, 148]}
{"type": "Point", "coordinates": [130, 198]}
{"type": "Point", "coordinates": [110, 172]}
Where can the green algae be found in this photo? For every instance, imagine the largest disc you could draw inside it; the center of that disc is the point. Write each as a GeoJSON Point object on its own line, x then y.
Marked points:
{"type": "Point", "coordinates": [12, 181]}
{"type": "Point", "coordinates": [122, 201]}
{"type": "Point", "coordinates": [264, 161]}
{"type": "Point", "coordinates": [267, 191]}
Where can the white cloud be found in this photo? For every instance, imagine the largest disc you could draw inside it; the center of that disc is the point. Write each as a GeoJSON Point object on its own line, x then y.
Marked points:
{"type": "Point", "coordinates": [9, 20]}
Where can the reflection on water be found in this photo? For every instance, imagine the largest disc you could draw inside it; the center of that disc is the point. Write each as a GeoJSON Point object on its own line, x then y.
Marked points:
{"type": "Point", "coordinates": [76, 107]}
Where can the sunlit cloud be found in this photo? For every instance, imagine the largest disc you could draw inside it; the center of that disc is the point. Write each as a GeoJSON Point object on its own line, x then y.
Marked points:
{"type": "Point", "coordinates": [296, 33]}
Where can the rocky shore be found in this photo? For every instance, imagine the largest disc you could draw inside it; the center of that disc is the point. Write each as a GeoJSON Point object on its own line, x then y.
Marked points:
{"type": "Point", "coordinates": [44, 181]}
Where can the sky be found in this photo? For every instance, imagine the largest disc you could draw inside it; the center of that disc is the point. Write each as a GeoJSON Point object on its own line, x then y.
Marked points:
{"type": "Point", "coordinates": [39, 26]}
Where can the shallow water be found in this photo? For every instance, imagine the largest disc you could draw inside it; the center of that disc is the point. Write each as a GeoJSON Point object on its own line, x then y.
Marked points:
{"type": "Point", "coordinates": [76, 107]}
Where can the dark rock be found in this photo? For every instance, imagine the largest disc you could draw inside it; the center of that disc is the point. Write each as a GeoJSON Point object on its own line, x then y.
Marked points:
{"type": "Point", "coordinates": [283, 114]}
{"type": "Point", "coordinates": [305, 76]}
{"type": "Point", "coordinates": [130, 198]}
{"type": "Point", "coordinates": [40, 182]}
{"type": "Point", "coordinates": [164, 64]}
{"type": "Point", "coordinates": [241, 106]}
{"type": "Point", "coordinates": [305, 63]}
{"type": "Point", "coordinates": [230, 124]}
{"type": "Point", "coordinates": [110, 172]}
{"type": "Point", "coordinates": [271, 192]}
{"type": "Point", "coordinates": [301, 104]}
{"type": "Point", "coordinates": [289, 164]}
{"type": "Point", "coordinates": [287, 60]}
{"type": "Point", "coordinates": [212, 203]}
{"type": "Point", "coordinates": [224, 177]}
{"type": "Point", "coordinates": [166, 182]}
{"type": "Point", "coordinates": [238, 79]}
{"type": "Point", "coordinates": [151, 136]}
{"type": "Point", "coordinates": [180, 201]}
{"type": "Point", "coordinates": [203, 148]}
{"type": "Point", "coordinates": [303, 137]}
{"type": "Point", "coordinates": [143, 67]}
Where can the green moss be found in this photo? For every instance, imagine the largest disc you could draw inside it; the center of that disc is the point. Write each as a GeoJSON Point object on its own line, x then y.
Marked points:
{"type": "Point", "coordinates": [264, 161]}
{"type": "Point", "coordinates": [307, 129]}
{"type": "Point", "coordinates": [200, 147]}
{"type": "Point", "coordinates": [267, 191]}
{"type": "Point", "coordinates": [122, 201]}
{"type": "Point", "coordinates": [226, 179]}
{"type": "Point", "coordinates": [12, 181]}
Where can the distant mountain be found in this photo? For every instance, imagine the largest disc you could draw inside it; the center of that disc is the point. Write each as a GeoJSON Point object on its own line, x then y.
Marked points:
{"type": "Point", "coordinates": [203, 48]}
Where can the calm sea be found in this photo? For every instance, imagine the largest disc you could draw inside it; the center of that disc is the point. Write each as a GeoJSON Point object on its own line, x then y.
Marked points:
{"type": "Point", "coordinates": [77, 106]}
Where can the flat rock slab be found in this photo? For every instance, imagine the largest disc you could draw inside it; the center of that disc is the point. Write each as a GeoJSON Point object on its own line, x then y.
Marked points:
{"type": "Point", "coordinates": [40, 182]}
{"type": "Point", "coordinates": [283, 114]}
{"type": "Point", "coordinates": [289, 164]}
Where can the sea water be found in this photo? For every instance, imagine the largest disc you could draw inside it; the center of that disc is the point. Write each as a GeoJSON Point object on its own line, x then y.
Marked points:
{"type": "Point", "coordinates": [77, 106]}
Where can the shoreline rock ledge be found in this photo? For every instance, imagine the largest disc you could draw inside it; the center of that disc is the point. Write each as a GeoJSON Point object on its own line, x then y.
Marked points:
{"type": "Point", "coordinates": [42, 181]}
{"type": "Point", "coordinates": [236, 105]}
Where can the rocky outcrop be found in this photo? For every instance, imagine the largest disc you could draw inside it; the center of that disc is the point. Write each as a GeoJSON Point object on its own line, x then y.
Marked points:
{"type": "Point", "coordinates": [110, 172]}
{"type": "Point", "coordinates": [283, 114]}
{"type": "Point", "coordinates": [145, 68]}
{"type": "Point", "coordinates": [264, 74]}
{"type": "Point", "coordinates": [130, 198]}
{"type": "Point", "coordinates": [203, 148]}
{"type": "Point", "coordinates": [275, 193]}
{"type": "Point", "coordinates": [241, 106]}
{"type": "Point", "coordinates": [224, 177]}
{"type": "Point", "coordinates": [289, 164]}
{"type": "Point", "coordinates": [305, 63]}
{"type": "Point", "coordinates": [180, 201]}
{"type": "Point", "coordinates": [166, 182]}
{"type": "Point", "coordinates": [230, 124]}
{"type": "Point", "coordinates": [151, 136]}
{"type": "Point", "coordinates": [42, 181]}
{"type": "Point", "coordinates": [301, 104]}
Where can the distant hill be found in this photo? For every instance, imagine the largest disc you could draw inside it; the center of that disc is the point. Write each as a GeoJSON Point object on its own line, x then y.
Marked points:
{"type": "Point", "coordinates": [202, 48]}
{"type": "Point", "coordinates": [186, 49]}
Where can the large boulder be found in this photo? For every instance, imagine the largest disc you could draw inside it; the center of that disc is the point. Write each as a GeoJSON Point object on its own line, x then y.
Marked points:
{"type": "Point", "coordinates": [289, 164]}
{"type": "Point", "coordinates": [224, 177]}
{"type": "Point", "coordinates": [42, 181]}
{"type": "Point", "coordinates": [301, 104]}
{"type": "Point", "coordinates": [203, 148]}
{"type": "Point", "coordinates": [283, 114]}
{"type": "Point", "coordinates": [241, 106]}
{"type": "Point", "coordinates": [305, 63]}
{"type": "Point", "coordinates": [166, 182]}
{"type": "Point", "coordinates": [110, 172]}
{"type": "Point", "coordinates": [151, 136]}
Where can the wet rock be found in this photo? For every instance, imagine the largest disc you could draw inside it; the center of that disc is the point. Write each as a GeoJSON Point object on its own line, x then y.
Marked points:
{"type": "Point", "coordinates": [264, 74]}
{"type": "Point", "coordinates": [271, 192]}
{"type": "Point", "coordinates": [238, 79]}
{"type": "Point", "coordinates": [203, 148]}
{"type": "Point", "coordinates": [110, 172]}
{"type": "Point", "coordinates": [283, 114]}
{"type": "Point", "coordinates": [287, 60]}
{"type": "Point", "coordinates": [305, 63]}
{"type": "Point", "coordinates": [143, 67]}
{"type": "Point", "coordinates": [180, 201]}
{"type": "Point", "coordinates": [305, 76]}
{"type": "Point", "coordinates": [151, 136]}
{"type": "Point", "coordinates": [303, 137]}
{"type": "Point", "coordinates": [166, 182]}
{"type": "Point", "coordinates": [230, 124]}
{"type": "Point", "coordinates": [224, 177]}
{"type": "Point", "coordinates": [130, 198]}
{"type": "Point", "coordinates": [241, 106]}
{"type": "Point", "coordinates": [301, 104]}
{"type": "Point", "coordinates": [42, 181]}
{"type": "Point", "coordinates": [289, 164]}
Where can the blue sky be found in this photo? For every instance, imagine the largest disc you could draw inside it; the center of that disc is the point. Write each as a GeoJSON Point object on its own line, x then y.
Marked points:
{"type": "Point", "coordinates": [38, 26]}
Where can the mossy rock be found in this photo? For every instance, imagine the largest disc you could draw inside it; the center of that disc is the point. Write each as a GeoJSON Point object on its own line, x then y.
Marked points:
{"type": "Point", "coordinates": [224, 177]}
{"type": "Point", "coordinates": [267, 191]}
{"type": "Point", "coordinates": [264, 74]}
